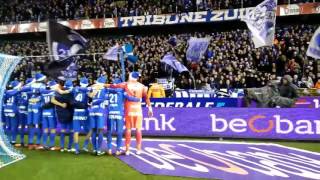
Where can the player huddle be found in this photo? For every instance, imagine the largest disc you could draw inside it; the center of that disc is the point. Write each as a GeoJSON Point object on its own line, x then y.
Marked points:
{"type": "Point", "coordinates": [35, 108]}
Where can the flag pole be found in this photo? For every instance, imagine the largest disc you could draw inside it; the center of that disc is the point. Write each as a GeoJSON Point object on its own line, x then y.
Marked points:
{"type": "Point", "coordinates": [123, 73]}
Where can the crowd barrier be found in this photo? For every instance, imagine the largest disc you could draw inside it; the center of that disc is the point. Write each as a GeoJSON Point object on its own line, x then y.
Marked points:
{"type": "Point", "coordinates": [226, 117]}
{"type": "Point", "coordinates": [302, 102]}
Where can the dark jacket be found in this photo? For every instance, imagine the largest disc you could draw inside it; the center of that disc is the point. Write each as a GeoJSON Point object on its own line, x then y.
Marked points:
{"type": "Point", "coordinates": [64, 115]}
{"type": "Point", "coordinates": [288, 90]}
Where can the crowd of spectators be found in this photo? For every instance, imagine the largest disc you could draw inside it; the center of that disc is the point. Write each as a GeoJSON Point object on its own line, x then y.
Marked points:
{"type": "Point", "coordinates": [231, 60]}
{"type": "Point", "coordinates": [38, 10]}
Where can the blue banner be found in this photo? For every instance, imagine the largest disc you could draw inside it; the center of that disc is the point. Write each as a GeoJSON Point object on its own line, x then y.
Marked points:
{"type": "Point", "coordinates": [191, 17]}
{"type": "Point", "coordinates": [194, 102]}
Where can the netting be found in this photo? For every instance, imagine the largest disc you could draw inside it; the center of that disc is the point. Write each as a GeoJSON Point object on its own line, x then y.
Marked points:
{"type": "Point", "coordinates": [8, 154]}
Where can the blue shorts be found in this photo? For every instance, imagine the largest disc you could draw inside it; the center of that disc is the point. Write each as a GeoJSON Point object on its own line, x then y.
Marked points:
{"type": "Point", "coordinates": [13, 122]}
{"type": "Point", "coordinates": [48, 119]}
{"type": "Point", "coordinates": [34, 116]}
{"type": "Point", "coordinates": [115, 124]}
{"type": "Point", "coordinates": [97, 118]}
{"type": "Point", "coordinates": [81, 121]}
{"type": "Point", "coordinates": [22, 116]}
{"type": "Point", "coordinates": [79, 126]}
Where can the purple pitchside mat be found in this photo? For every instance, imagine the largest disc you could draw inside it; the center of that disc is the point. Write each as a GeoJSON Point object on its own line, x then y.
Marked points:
{"type": "Point", "coordinates": [224, 160]}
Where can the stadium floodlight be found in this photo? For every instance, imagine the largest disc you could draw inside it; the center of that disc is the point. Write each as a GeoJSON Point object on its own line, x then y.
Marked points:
{"type": "Point", "coordinates": [8, 154]}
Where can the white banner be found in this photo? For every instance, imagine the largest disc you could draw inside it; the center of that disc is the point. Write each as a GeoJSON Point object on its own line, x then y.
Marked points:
{"type": "Point", "coordinates": [261, 22]}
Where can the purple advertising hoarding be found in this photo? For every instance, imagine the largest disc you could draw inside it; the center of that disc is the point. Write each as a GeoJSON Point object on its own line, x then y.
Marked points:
{"type": "Point", "coordinates": [265, 123]}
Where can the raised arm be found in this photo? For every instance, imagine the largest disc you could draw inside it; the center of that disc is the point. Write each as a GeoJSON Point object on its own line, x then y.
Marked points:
{"type": "Point", "coordinates": [113, 86]}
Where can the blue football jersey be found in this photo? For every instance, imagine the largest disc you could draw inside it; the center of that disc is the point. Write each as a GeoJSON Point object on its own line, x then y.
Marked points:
{"type": "Point", "coordinates": [81, 95]}
{"type": "Point", "coordinates": [100, 98]}
{"type": "Point", "coordinates": [24, 96]}
{"type": "Point", "coordinates": [11, 98]}
{"type": "Point", "coordinates": [46, 96]}
{"type": "Point", "coordinates": [36, 89]}
{"type": "Point", "coordinates": [116, 101]}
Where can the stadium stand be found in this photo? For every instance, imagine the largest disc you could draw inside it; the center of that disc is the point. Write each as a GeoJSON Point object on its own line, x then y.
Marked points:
{"type": "Point", "coordinates": [230, 62]}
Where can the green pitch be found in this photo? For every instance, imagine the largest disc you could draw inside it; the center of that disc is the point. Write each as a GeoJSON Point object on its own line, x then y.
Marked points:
{"type": "Point", "coordinates": [50, 165]}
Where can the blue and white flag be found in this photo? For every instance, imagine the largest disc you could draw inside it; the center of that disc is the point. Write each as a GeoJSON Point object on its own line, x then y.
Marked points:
{"type": "Point", "coordinates": [261, 21]}
{"type": "Point", "coordinates": [314, 45]}
{"type": "Point", "coordinates": [64, 44]}
{"type": "Point", "coordinates": [171, 60]}
{"type": "Point", "coordinates": [112, 53]}
{"type": "Point", "coordinates": [196, 48]}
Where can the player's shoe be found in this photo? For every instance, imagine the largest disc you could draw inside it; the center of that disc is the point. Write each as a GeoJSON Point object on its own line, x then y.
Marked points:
{"type": "Point", "coordinates": [63, 149]}
{"type": "Point", "coordinates": [119, 153]}
{"type": "Point", "coordinates": [39, 147]}
{"type": "Point", "coordinates": [109, 152]}
{"type": "Point", "coordinates": [18, 145]}
{"type": "Point", "coordinates": [100, 153]}
{"type": "Point", "coordinates": [76, 152]}
{"type": "Point", "coordinates": [71, 150]}
{"type": "Point", "coordinates": [54, 148]}
{"type": "Point", "coordinates": [85, 149]}
{"type": "Point", "coordinates": [127, 153]}
{"type": "Point", "coordinates": [138, 152]}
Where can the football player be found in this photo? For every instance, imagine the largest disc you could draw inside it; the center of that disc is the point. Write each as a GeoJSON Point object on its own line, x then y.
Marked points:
{"type": "Point", "coordinates": [115, 118]}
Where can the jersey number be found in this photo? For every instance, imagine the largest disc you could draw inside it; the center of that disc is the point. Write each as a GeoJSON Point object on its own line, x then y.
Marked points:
{"type": "Point", "coordinates": [113, 98]}
{"type": "Point", "coordinates": [10, 100]}
{"type": "Point", "coordinates": [47, 99]}
{"type": "Point", "coordinates": [79, 97]}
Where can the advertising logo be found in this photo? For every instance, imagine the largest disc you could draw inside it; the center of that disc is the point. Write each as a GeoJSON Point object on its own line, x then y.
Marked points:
{"type": "Point", "coordinates": [263, 124]}
{"type": "Point", "coordinates": [224, 160]}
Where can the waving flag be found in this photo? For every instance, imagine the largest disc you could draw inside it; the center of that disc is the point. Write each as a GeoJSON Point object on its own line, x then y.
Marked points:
{"type": "Point", "coordinates": [261, 22]}
{"type": "Point", "coordinates": [170, 60]}
{"type": "Point", "coordinates": [112, 53]}
{"type": "Point", "coordinates": [64, 43]}
{"type": "Point", "coordinates": [197, 48]}
{"type": "Point", "coordinates": [314, 45]}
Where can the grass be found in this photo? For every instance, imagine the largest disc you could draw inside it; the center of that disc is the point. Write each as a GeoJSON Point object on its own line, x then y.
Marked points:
{"type": "Point", "coordinates": [50, 165]}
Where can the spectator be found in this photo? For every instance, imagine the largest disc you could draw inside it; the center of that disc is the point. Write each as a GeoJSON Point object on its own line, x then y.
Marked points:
{"type": "Point", "coordinates": [231, 60]}
{"type": "Point", "coordinates": [287, 89]}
